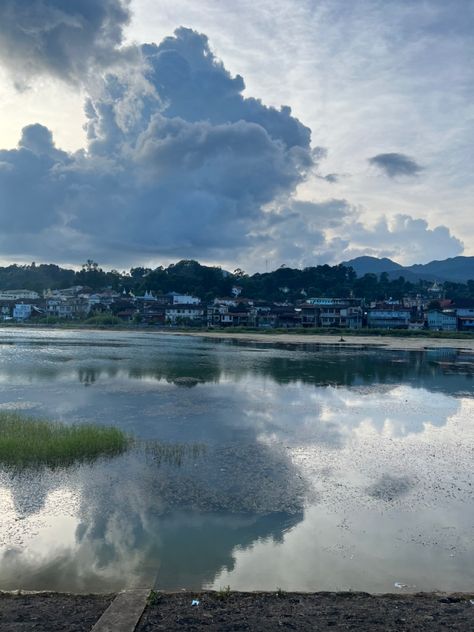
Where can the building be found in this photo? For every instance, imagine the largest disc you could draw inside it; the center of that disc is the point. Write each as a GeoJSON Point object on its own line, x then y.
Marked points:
{"type": "Point", "coordinates": [218, 314]}
{"type": "Point", "coordinates": [182, 299]}
{"type": "Point", "coordinates": [62, 307]}
{"type": "Point", "coordinates": [68, 292]}
{"type": "Point", "coordinates": [22, 311]}
{"type": "Point", "coordinates": [146, 298]}
{"type": "Point", "coordinates": [286, 316]}
{"type": "Point", "coordinates": [435, 292]}
{"type": "Point", "coordinates": [228, 313]}
{"type": "Point", "coordinates": [343, 313]}
{"type": "Point", "coordinates": [18, 295]}
{"type": "Point", "coordinates": [466, 323]}
{"type": "Point", "coordinates": [151, 314]}
{"type": "Point", "coordinates": [465, 312]}
{"type": "Point", "coordinates": [388, 317]}
{"type": "Point", "coordinates": [442, 320]}
{"type": "Point", "coordinates": [6, 310]}
{"type": "Point", "coordinates": [184, 314]}
{"type": "Point", "coordinates": [309, 315]}
{"type": "Point", "coordinates": [101, 301]}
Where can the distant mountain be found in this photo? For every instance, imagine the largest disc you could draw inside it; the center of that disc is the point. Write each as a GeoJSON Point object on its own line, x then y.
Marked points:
{"type": "Point", "coordinates": [372, 265]}
{"type": "Point", "coordinates": [457, 269]}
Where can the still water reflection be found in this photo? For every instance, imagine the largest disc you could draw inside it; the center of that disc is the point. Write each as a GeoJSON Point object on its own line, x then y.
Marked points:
{"type": "Point", "coordinates": [325, 468]}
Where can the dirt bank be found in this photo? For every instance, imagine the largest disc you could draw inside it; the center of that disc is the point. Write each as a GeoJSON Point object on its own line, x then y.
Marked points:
{"type": "Point", "coordinates": [386, 342]}
{"type": "Point", "coordinates": [265, 612]}
{"type": "Point", "coordinates": [260, 612]}
{"type": "Point", "coordinates": [50, 612]}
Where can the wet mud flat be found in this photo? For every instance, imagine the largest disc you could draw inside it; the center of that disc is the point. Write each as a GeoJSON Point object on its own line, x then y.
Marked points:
{"type": "Point", "coordinates": [50, 612]}
{"type": "Point", "coordinates": [225, 611]}
{"type": "Point", "coordinates": [265, 612]}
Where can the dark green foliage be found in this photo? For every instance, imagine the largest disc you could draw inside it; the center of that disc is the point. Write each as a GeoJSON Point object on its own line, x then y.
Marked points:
{"type": "Point", "coordinates": [208, 282]}
{"type": "Point", "coordinates": [154, 598]}
{"type": "Point", "coordinates": [187, 276]}
{"type": "Point", "coordinates": [35, 277]}
{"type": "Point", "coordinates": [103, 319]}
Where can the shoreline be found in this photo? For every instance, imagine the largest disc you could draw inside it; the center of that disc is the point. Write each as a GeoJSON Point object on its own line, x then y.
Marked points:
{"type": "Point", "coordinates": [399, 343]}
{"type": "Point", "coordinates": [219, 611]}
{"type": "Point", "coordinates": [413, 342]}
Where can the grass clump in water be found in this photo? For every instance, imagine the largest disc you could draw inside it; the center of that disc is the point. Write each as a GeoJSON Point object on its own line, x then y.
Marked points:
{"type": "Point", "coordinates": [26, 441]}
{"type": "Point", "coordinates": [173, 453]}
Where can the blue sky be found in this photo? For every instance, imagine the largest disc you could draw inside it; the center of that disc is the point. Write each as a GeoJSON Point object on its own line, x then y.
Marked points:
{"type": "Point", "coordinates": [150, 154]}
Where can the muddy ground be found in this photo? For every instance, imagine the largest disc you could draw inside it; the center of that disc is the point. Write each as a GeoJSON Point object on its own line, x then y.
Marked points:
{"type": "Point", "coordinates": [50, 612]}
{"type": "Point", "coordinates": [408, 343]}
{"type": "Point", "coordinates": [261, 612]}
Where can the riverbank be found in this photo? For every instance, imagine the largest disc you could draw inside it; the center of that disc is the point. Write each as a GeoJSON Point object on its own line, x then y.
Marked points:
{"type": "Point", "coordinates": [413, 343]}
{"type": "Point", "coordinates": [263, 612]}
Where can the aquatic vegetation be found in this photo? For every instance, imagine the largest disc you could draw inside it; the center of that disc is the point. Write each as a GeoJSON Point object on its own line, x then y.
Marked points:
{"type": "Point", "coordinates": [172, 453]}
{"type": "Point", "coordinates": [26, 441]}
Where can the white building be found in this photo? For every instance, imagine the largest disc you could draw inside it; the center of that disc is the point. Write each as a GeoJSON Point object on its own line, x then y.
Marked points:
{"type": "Point", "coordinates": [18, 295]}
{"type": "Point", "coordinates": [183, 313]}
{"type": "Point", "coordinates": [68, 292]}
{"type": "Point", "coordinates": [182, 299]}
{"type": "Point", "coordinates": [61, 307]}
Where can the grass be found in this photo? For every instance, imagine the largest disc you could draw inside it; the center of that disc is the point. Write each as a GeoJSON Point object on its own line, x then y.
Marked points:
{"type": "Point", "coordinates": [223, 593]}
{"type": "Point", "coordinates": [154, 598]}
{"type": "Point", "coordinates": [30, 442]}
{"type": "Point", "coordinates": [26, 441]}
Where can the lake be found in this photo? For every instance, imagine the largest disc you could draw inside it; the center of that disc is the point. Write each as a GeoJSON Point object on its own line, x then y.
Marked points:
{"type": "Point", "coordinates": [317, 468]}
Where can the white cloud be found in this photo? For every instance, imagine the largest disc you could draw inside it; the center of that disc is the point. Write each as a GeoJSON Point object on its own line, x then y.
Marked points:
{"type": "Point", "coordinates": [181, 161]}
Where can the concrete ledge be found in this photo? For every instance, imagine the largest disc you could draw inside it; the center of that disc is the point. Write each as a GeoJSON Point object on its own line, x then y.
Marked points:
{"type": "Point", "coordinates": [124, 612]}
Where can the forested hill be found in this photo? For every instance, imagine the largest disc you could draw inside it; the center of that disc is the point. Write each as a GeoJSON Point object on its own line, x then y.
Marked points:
{"type": "Point", "coordinates": [457, 269]}
{"type": "Point", "coordinates": [188, 276]}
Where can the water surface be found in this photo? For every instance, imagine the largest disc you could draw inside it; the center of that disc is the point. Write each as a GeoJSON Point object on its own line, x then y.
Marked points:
{"type": "Point", "coordinates": [324, 468]}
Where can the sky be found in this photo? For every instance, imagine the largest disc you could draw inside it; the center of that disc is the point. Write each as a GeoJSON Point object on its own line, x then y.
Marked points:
{"type": "Point", "coordinates": [243, 134]}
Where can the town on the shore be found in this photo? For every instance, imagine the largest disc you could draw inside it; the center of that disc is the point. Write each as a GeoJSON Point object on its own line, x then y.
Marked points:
{"type": "Point", "coordinates": [431, 310]}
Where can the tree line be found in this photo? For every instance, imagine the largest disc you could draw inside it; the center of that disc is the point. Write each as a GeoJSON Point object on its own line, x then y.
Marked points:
{"type": "Point", "coordinates": [208, 282]}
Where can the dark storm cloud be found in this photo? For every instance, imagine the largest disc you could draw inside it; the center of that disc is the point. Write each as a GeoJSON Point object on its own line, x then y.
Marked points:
{"type": "Point", "coordinates": [394, 165]}
{"type": "Point", "coordinates": [61, 37]}
{"type": "Point", "coordinates": [178, 162]}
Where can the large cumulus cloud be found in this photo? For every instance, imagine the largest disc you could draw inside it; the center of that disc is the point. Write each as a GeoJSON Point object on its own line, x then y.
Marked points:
{"type": "Point", "coordinates": [307, 233]}
{"type": "Point", "coordinates": [178, 162]}
{"type": "Point", "coordinates": [62, 37]}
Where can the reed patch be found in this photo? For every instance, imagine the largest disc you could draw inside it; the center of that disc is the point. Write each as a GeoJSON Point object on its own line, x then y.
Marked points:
{"type": "Point", "coordinates": [26, 441]}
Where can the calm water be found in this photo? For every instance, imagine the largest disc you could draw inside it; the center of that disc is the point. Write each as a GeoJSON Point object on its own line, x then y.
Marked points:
{"type": "Point", "coordinates": [323, 468]}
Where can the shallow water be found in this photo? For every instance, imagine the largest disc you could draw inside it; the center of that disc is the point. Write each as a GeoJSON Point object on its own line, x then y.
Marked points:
{"type": "Point", "coordinates": [323, 468]}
